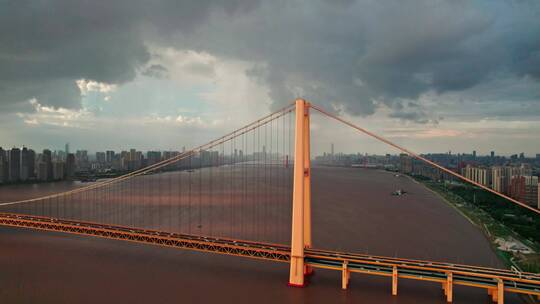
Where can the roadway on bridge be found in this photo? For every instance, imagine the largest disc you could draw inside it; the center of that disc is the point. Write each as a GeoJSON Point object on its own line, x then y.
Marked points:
{"type": "Point", "coordinates": [415, 226]}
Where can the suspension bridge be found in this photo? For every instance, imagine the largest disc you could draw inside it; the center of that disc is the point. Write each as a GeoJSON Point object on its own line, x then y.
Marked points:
{"type": "Point", "coordinates": [246, 194]}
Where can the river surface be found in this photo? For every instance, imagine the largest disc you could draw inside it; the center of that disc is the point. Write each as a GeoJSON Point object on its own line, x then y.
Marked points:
{"type": "Point", "coordinates": [353, 210]}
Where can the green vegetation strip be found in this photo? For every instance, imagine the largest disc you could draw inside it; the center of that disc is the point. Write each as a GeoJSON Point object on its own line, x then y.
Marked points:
{"type": "Point", "coordinates": [497, 218]}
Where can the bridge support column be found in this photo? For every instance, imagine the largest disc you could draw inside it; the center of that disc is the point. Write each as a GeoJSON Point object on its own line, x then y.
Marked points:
{"type": "Point", "coordinates": [497, 294]}
{"type": "Point", "coordinates": [345, 275]}
{"type": "Point", "coordinates": [500, 292]}
{"type": "Point", "coordinates": [394, 281]}
{"type": "Point", "coordinates": [296, 275]}
{"type": "Point", "coordinates": [308, 270]}
{"type": "Point", "coordinates": [448, 287]}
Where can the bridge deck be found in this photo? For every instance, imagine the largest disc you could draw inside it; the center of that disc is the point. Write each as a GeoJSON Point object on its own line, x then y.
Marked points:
{"type": "Point", "coordinates": [481, 277]}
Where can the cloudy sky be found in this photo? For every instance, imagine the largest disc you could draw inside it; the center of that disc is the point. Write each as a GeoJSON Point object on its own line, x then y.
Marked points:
{"type": "Point", "coordinates": [431, 75]}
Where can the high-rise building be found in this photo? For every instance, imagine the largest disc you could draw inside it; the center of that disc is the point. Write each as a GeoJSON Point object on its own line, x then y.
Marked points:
{"type": "Point", "coordinates": [3, 166]}
{"type": "Point", "coordinates": [406, 163]}
{"type": "Point", "coordinates": [531, 191]}
{"type": "Point", "coordinates": [498, 180]}
{"type": "Point", "coordinates": [517, 187]}
{"type": "Point", "coordinates": [521, 155]}
{"type": "Point", "coordinates": [139, 158]}
{"type": "Point", "coordinates": [101, 157]}
{"type": "Point", "coordinates": [14, 165]}
{"type": "Point", "coordinates": [46, 157]}
{"type": "Point", "coordinates": [525, 169]}
{"type": "Point", "coordinates": [474, 154]}
{"type": "Point", "coordinates": [25, 164]}
{"type": "Point", "coordinates": [58, 170]}
{"type": "Point", "coordinates": [205, 157]}
{"type": "Point", "coordinates": [492, 154]}
{"type": "Point", "coordinates": [81, 160]}
{"type": "Point", "coordinates": [168, 155]}
{"type": "Point", "coordinates": [153, 157]}
{"type": "Point", "coordinates": [124, 160]}
{"type": "Point", "coordinates": [509, 172]}
{"type": "Point", "coordinates": [70, 166]}
{"type": "Point", "coordinates": [31, 163]}
{"type": "Point", "coordinates": [59, 155]}
{"type": "Point", "coordinates": [132, 154]}
{"type": "Point", "coordinates": [42, 172]}
{"type": "Point", "coordinates": [66, 149]}
{"type": "Point", "coordinates": [134, 160]}
{"type": "Point", "coordinates": [109, 157]}
{"type": "Point", "coordinates": [479, 175]}
{"type": "Point", "coordinates": [524, 189]}
{"type": "Point", "coordinates": [538, 196]}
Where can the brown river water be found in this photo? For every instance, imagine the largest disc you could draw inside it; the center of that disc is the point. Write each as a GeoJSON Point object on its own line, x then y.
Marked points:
{"type": "Point", "coordinates": [353, 210]}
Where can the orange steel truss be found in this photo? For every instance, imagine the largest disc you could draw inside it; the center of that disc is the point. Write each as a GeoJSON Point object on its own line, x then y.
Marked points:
{"type": "Point", "coordinates": [191, 242]}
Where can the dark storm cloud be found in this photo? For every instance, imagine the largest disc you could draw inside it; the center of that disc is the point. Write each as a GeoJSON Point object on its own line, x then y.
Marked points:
{"type": "Point", "coordinates": [352, 54]}
{"type": "Point", "coordinates": [357, 55]}
{"type": "Point", "coordinates": [46, 45]}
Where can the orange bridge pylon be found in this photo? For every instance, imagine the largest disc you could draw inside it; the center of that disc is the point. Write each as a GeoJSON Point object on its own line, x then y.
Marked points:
{"type": "Point", "coordinates": [301, 209]}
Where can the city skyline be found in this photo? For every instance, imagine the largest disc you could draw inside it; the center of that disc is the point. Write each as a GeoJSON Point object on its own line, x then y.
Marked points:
{"type": "Point", "coordinates": [321, 151]}
{"type": "Point", "coordinates": [515, 176]}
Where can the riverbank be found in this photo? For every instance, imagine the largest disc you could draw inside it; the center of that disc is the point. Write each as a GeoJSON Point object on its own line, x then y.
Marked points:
{"type": "Point", "coordinates": [514, 249]}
